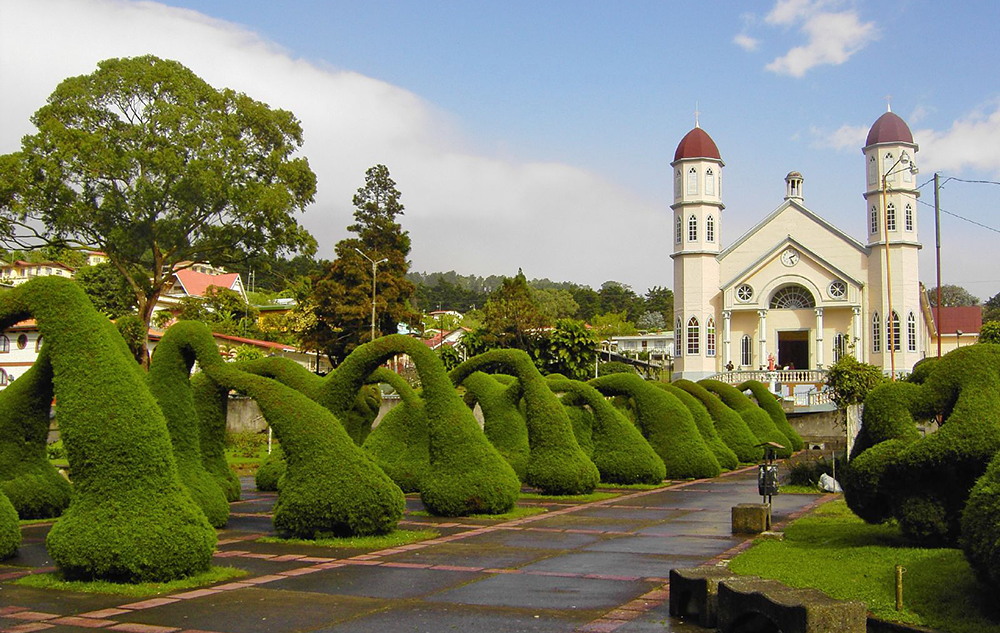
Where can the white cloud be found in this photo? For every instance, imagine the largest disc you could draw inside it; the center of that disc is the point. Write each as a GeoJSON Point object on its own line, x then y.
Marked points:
{"type": "Point", "coordinates": [787, 12]}
{"type": "Point", "coordinates": [918, 114]}
{"type": "Point", "coordinates": [972, 142]}
{"type": "Point", "coordinates": [846, 137]}
{"type": "Point", "coordinates": [832, 39]}
{"type": "Point", "coordinates": [746, 42]}
{"type": "Point", "coordinates": [468, 211]}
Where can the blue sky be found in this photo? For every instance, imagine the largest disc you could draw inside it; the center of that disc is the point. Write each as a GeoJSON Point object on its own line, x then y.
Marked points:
{"type": "Point", "coordinates": [539, 134]}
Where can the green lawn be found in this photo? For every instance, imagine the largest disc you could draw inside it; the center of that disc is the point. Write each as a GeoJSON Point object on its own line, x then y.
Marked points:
{"type": "Point", "coordinates": [519, 512]}
{"type": "Point", "coordinates": [594, 496]}
{"type": "Point", "coordinates": [837, 553]}
{"type": "Point", "coordinates": [383, 541]}
{"type": "Point", "coordinates": [664, 484]}
{"type": "Point", "coordinates": [54, 580]}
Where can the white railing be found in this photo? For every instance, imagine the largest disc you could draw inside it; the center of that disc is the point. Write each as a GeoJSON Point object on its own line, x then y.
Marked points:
{"type": "Point", "coordinates": [813, 398]}
{"type": "Point", "coordinates": [781, 376]}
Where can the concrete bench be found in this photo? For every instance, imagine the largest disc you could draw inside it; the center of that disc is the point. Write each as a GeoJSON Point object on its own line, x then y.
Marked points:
{"type": "Point", "coordinates": [751, 518]}
{"type": "Point", "coordinates": [694, 593]}
{"type": "Point", "coordinates": [749, 603]}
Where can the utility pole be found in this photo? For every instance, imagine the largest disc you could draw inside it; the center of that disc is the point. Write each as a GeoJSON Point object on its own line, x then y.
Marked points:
{"type": "Point", "coordinates": [937, 246]}
{"type": "Point", "coordinates": [374, 274]}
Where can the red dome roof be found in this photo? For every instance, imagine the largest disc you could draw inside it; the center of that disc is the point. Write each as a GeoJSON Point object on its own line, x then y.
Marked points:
{"type": "Point", "coordinates": [697, 144]}
{"type": "Point", "coordinates": [889, 128]}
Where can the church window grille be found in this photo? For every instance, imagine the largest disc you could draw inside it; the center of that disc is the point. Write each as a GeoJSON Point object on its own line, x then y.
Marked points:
{"type": "Point", "coordinates": [839, 346]}
{"type": "Point", "coordinates": [692, 181]}
{"type": "Point", "coordinates": [746, 351]}
{"type": "Point", "coordinates": [677, 184]}
{"type": "Point", "coordinates": [888, 162]}
{"type": "Point", "coordinates": [873, 229]}
{"type": "Point", "coordinates": [838, 290]}
{"type": "Point", "coordinates": [890, 217]}
{"type": "Point", "coordinates": [907, 174]}
{"type": "Point", "coordinates": [892, 331]}
{"type": "Point", "coordinates": [710, 229]}
{"type": "Point", "coordinates": [872, 169]}
{"type": "Point", "coordinates": [911, 332]}
{"type": "Point", "coordinates": [791, 298]}
{"type": "Point", "coordinates": [678, 229]}
{"type": "Point", "coordinates": [694, 337]}
{"type": "Point", "coordinates": [908, 217]}
{"type": "Point", "coordinates": [693, 228]}
{"type": "Point", "coordinates": [709, 182]}
{"type": "Point", "coordinates": [744, 292]}
{"type": "Point", "coordinates": [876, 334]}
{"type": "Point", "coordinates": [710, 337]}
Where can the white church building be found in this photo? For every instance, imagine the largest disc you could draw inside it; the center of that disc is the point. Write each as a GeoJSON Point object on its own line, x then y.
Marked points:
{"type": "Point", "coordinates": [796, 291]}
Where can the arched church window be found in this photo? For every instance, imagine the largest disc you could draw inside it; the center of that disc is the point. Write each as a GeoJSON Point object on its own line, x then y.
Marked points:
{"type": "Point", "coordinates": [746, 351]}
{"type": "Point", "coordinates": [887, 163]}
{"type": "Point", "coordinates": [4, 344]}
{"type": "Point", "coordinates": [872, 170]}
{"type": "Point", "coordinates": [678, 337]}
{"type": "Point", "coordinates": [744, 292]}
{"type": "Point", "coordinates": [911, 332]}
{"type": "Point", "coordinates": [677, 184]}
{"type": "Point", "coordinates": [693, 337]}
{"type": "Point", "coordinates": [890, 217]}
{"type": "Point", "coordinates": [710, 229]}
{"type": "Point", "coordinates": [692, 228]}
{"type": "Point", "coordinates": [873, 229]}
{"type": "Point", "coordinates": [839, 346]}
{"type": "Point", "coordinates": [908, 217]}
{"type": "Point", "coordinates": [892, 331]}
{"type": "Point", "coordinates": [907, 174]}
{"type": "Point", "coordinates": [710, 337]}
{"type": "Point", "coordinates": [709, 182]}
{"type": "Point", "coordinates": [838, 290]}
{"type": "Point", "coordinates": [791, 298]}
{"type": "Point", "coordinates": [692, 181]}
{"type": "Point", "coordinates": [876, 333]}
{"type": "Point", "coordinates": [678, 229]}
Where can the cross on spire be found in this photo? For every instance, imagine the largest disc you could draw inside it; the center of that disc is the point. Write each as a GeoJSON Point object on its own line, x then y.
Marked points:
{"type": "Point", "coordinates": [696, 113]}
{"type": "Point", "coordinates": [888, 103]}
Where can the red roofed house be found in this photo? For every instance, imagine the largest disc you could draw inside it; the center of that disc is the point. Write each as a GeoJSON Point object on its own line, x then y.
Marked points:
{"type": "Point", "coordinates": [18, 272]}
{"type": "Point", "coordinates": [957, 327]}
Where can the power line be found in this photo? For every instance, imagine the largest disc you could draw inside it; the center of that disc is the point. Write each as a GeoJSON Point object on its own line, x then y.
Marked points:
{"type": "Point", "coordinates": [978, 182]}
{"type": "Point", "coordinates": [960, 217]}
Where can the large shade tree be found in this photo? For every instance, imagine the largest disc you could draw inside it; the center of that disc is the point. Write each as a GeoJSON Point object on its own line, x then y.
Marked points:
{"type": "Point", "coordinates": [147, 162]}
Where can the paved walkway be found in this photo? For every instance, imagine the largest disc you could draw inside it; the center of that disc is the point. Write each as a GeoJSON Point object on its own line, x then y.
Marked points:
{"type": "Point", "coordinates": [595, 567]}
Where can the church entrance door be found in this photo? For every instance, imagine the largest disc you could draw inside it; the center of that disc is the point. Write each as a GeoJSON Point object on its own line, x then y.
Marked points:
{"type": "Point", "coordinates": [793, 349]}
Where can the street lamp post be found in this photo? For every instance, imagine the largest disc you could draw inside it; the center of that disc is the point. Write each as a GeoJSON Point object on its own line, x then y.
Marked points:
{"type": "Point", "coordinates": [374, 274]}
{"type": "Point", "coordinates": [889, 330]}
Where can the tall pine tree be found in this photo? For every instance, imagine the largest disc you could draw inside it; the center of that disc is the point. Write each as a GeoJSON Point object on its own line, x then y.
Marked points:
{"type": "Point", "coordinates": [343, 295]}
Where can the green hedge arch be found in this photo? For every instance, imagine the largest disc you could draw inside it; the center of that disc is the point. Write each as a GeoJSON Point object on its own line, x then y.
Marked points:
{"type": "Point", "coordinates": [556, 464]}
{"type": "Point", "coordinates": [130, 519]}
{"type": "Point", "coordinates": [503, 421]}
{"type": "Point", "coordinates": [666, 424]}
{"type": "Point", "coordinates": [27, 478]}
{"type": "Point", "coordinates": [169, 382]}
{"type": "Point", "coordinates": [980, 538]}
{"type": "Point", "coordinates": [620, 452]}
{"type": "Point", "coordinates": [731, 427]}
{"type": "Point", "coordinates": [10, 529]}
{"type": "Point", "coordinates": [769, 403]}
{"type": "Point", "coordinates": [757, 419]}
{"type": "Point", "coordinates": [727, 458]}
{"type": "Point", "coordinates": [887, 416]}
{"type": "Point", "coordinates": [400, 444]}
{"type": "Point", "coordinates": [211, 402]}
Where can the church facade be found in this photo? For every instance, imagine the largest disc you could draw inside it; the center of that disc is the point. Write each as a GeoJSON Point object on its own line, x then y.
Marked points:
{"type": "Point", "coordinates": [796, 291]}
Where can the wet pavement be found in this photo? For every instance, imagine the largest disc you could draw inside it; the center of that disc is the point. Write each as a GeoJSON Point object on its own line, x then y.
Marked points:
{"type": "Point", "coordinates": [596, 567]}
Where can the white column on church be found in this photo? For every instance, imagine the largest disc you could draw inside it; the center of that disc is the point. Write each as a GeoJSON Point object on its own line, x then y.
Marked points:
{"type": "Point", "coordinates": [727, 356]}
{"type": "Point", "coordinates": [762, 328]}
{"type": "Point", "coordinates": [856, 333]}
{"type": "Point", "coordinates": [819, 338]}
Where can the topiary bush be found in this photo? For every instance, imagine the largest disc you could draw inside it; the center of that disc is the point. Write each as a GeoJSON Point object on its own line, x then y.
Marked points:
{"type": "Point", "coordinates": [666, 424]}
{"type": "Point", "coordinates": [620, 452]}
{"type": "Point", "coordinates": [10, 529]}
{"type": "Point", "coordinates": [211, 403]}
{"type": "Point", "coordinates": [556, 464]}
{"type": "Point", "coordinates": [887, 416]}
{"type": "Point", "coordinates": [581, 419]}
{"type": "Point", "coordinates": [503, 421]}
{"type": "Point", "coordinates": [770, 404]}
{"type": "Point", "coordinates": [27, 477]}
{"type": "Point", "coordinates": [169, 382]}
{"type": "Point", "coordinates": [400, 444]}
{"type": "Point", "coordinates": [757, 419]}
{"type": "Point", "coordinates": [129, 519]}
{"type": "Point", "coordinates": [866, 490]}
{"type": "Point", "coordinates": [725, 455]}
{"type": "Point", "coordinates": [271, 470]}
{"type": "Point", "coordinates": [981, 525]}
{"type": "Point", "coordinates": [729, 424]}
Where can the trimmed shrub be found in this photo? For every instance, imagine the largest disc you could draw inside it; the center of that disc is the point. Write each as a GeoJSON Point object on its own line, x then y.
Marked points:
{"type": "Point", "coordinates": [725, 455]}
{"type": "Point", "coordinates": [27, 477]}
{"type": "Point", "coordinates": [614, 367]}
{"type": "Point", "coordinates": [271, 470]}
{"type": "Point", "coordinates": [666, 424]}
{"type": "Point", "coordinates": [620, 452]}
{"type": "Point", "coordinates": [129, 520]}
{"type": "Point", "coordinates": [211, 403]}
{"type": "Point", "coordinates": [863, 480]}
{"type": "Point", "coordinates": [887, 416]}
{"type": "Point", "coordinates": [556, 464]}
{"type": "Point", "coordinates": [770, 404]}
{"type": "Point", "coordinates": [503, 421]}
{"type": "Point", "coordinates": [169, 382]}
{"type": "Point", "coordinates": [757, 419]}
{"type": "Point", "coordinates": [731, 427]}
{"type": "Point", "coordinates": [10, 530]}
{"type": "Point", "coordinates": [400, 444]}
{"type": "Point", "coordinates": [981, 525]}
{"type": "Point", "coordinates": [582, 421]}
